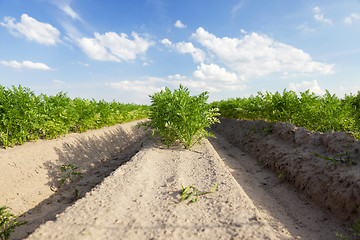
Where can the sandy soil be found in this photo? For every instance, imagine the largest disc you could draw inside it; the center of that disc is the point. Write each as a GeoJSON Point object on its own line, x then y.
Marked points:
{"type": "Point", "coordinates": [135, 200]}
{"type": "Point", "coordinates": [289, 151]}
{"type": "Point", "coordinates": [30, 174]}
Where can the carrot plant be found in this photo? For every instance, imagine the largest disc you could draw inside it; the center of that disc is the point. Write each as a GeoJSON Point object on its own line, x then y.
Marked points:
{"type": "Point", "coordinates": [25, 116]}
{"type": "Point", "coordinates": [318, 113]}
{"type": "Point", "coordinates": [71, 174]}
{"type": "Point", "coordinates": [177, 116]}
{"type": "Point", "coordinates": [8, 223]}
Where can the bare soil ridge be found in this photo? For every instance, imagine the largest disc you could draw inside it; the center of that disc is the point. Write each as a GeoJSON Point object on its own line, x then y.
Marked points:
{"type": "Point", "coordinates": [137, 202]}
{"type": "Point", "coordinates": [29, 178]}
{"type": "Point", "coordinates": [289, 151]}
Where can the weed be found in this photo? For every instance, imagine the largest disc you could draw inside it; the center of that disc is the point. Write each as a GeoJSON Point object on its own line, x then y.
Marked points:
{"type": "Point", "coordinates": [191, 191]}
{"type": "Point", "coordinates": [268, 130]}
{"type": "Point", "coordinates": [8, 223]}
{"type": "Point", "coordinates": [283, 174]}
{"type": "Point", "coordinates": [340, 236]}
{"type": "Point", "coordinates": [342, 157]}
{"type": "Point", "coordinates": [70, 173]}
{"type": "Point", "coordinates": [355, 229]}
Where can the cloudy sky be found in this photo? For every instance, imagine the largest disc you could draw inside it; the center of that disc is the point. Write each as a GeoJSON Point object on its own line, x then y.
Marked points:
{"type": "Point", "coordinates": [126, 50]}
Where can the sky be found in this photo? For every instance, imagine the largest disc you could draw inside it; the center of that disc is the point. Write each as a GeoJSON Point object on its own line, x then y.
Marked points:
{"type": "Point", "coordinates": [127, 50]}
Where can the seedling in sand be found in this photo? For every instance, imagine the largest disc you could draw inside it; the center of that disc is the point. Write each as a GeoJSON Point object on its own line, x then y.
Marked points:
{"type": "Point", "coordinates": [8, 223]}
{"type": "Point", "coordinates": [355, 229]}
{"type": "Point", "coordinates": [70, 173]}
{"type": "Point", "coordinates": [342, 157]}
{"type": "Point", "coordinates": [191, 191]}
{"type": "Point", "coordinates": [283, 174]}
{"type": "Point", "coordinates": [267, 130]}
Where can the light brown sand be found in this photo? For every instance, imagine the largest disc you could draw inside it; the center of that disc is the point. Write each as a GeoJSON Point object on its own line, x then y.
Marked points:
{"type": "Point", "coordinates": [135, 201]}
{"type": "Point", "coordinates": [29, 178]}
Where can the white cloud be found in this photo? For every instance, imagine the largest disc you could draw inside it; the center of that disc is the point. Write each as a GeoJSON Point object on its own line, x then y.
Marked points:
{"type": "Point", "coordinates": [113, 47]}
{"type": "Point", "coordinates": [318, 16]}
{"type": "Point", "coordinates": [139, 87]}
{"type": "Point", "coordinates": [312, 86]}
{"type": "Point", "coordinates": [235, 8]}
{"type": "Point", "coordinates": [243, 31]}
{"type": "Point", "coordinates": [32, 29]}
{"type": "Point", "coordinates": [348, 20]}
{"type": "Point", "coordinates": [179, 24]}
{"type": "Point", "coordinates": [353, 16]}
{"type": "Point", "coordinates": [187, 47]}
{"type": "Point", "coordinates": [166, 42]}
{"type": "Point", "coordinates": [25, 64]}
{"type": "Point", "coordinates": [66, 8]}
{"type": "Point", "coordinates": [305, 28]}
{"type": "Point", "coordinates": [83, 64]}
{"type": "Point", "coordinates": [214, 72]}
{"type": "Point", "coordinates": [211, 78]}
{"type": "Point", "coordinates": [176, 77]}
{"type": "Point", "coordinates": [199, 86]}
{"type": "Point", "coordinates": [342, 91]}
{"type": "Point", "coordinates": [259, 55]}
{"type": "Point", "coordinates": [60, 84]}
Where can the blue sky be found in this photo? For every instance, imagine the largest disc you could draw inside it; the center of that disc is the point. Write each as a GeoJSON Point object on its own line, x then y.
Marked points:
{"type": "Point", "coordinates": [126, 50]}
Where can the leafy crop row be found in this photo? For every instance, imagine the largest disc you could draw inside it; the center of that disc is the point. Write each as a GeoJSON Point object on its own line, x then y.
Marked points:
{"type": "Point", "coordinates": [178, 117]}
{"type": "Point", "coordinates": [318, 113]}
{"type": "Point", "coordinates": [25, 116]}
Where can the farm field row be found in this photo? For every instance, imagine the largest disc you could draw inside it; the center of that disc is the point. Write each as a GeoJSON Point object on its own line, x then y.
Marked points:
{"type": "Point", "coordinates": [136, 198]}
{"type": "Point", "coordinates": [318, 113]}
{"type": "Point", "coordinates": [178, 118]}
{"type": "Point", "coordinates": [25, 116]}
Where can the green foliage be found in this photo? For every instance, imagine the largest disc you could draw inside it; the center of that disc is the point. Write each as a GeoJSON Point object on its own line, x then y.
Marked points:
{"type": "Point", "coordinates": [341, 236]}
{"type": "Point", "coordinates": [318, 113]}
{"type": "Point", "coordinates": [25, 116]}
{"type": "Point", "coordinates": [177, 116]}
{"type": "Point", "coordinates": [355, 229]}
{"type": "Point", "coordinates": [70, 173]}
{"type": "Point", "coordinates": [8, 223]}
{"type": "Point", "coordinates": [191, 191]}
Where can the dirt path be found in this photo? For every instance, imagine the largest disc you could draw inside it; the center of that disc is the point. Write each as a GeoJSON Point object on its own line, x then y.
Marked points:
{"type": "Point", "coordinates": [137, 202]}
{"type": "Point", "coordinates": [290, 214]}
{"type": "Point", "coordinates": [30, 174]}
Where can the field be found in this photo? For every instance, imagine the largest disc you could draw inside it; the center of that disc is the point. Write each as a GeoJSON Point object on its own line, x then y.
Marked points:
{"type": "Point", "coordinates": [25, 116]}
{"type": "Point", "coordinates": [318, 113]}
{"type": "Point", "coordinates": [271, 185]}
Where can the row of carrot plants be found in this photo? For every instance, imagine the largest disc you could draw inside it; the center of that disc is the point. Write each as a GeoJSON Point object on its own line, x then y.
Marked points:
{"type": "Point", "coordinates": [25, 116]}
{"type": "Point", "coordinates": [318, 113]}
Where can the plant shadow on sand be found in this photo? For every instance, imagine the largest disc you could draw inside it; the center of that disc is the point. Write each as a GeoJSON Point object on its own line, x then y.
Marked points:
{"type": "Point", "coordinates": [96, 158]}
{"type": "Point", "coordinates": [287, 209]}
